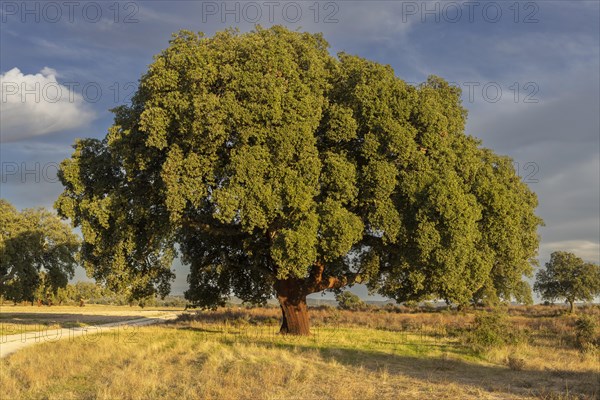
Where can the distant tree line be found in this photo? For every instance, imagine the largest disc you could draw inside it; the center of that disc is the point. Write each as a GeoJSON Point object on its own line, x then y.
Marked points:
{"type": "Point", "coordinates": [82, 293]}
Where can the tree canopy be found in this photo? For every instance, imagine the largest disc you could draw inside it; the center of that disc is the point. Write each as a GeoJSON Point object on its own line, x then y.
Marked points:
{"type": "Point", "coordinates": [273, 167]}
{"type": "Point", "coordinates": [37, 253]}
{"type": "Point", "coordinates": [568, 277]}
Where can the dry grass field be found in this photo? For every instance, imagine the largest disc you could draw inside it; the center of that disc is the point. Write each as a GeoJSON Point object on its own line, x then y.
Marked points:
{"type": "Point", "coordinates": [20, 319]}
{"type": "Point", "coordinates": [236, 353]}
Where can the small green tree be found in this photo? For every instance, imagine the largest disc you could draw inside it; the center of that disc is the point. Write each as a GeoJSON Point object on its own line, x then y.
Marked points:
{"type": "Point", "coordinates": [349, 301]}
{"type": "Point", "coordinates": [37, 253]}
{"type": "Point", "coordinates": [568, 277]}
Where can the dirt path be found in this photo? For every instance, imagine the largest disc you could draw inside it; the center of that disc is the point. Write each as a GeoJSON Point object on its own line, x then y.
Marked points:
{"type": "Point", "coordinates": [11, 343]}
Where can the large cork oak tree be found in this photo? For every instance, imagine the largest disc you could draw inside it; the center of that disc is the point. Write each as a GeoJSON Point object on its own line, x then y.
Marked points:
{"type": "Point", "coordinates": [273, 168]}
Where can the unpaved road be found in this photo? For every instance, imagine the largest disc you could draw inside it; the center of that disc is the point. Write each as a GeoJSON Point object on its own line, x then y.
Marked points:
{"type": "Point", "coordinates": [11, 343]}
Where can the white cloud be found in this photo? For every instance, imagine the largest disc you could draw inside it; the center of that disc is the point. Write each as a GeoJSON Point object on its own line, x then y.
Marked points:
{"type": "Point", "coordinates": [585, 249]}
{"type": "Point", "coordinates": [35, 105]}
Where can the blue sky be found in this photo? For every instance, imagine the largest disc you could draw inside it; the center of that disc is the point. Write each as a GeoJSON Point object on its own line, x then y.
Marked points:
{"type": "Point", "coordinates": [530, 75]}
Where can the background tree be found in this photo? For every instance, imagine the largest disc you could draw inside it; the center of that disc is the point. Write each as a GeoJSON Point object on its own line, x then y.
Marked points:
{"type": "Point", "coordinates": [488, 295]}
{"type": "Point", "coordinates": [349, 301]}
{"type": "Point", "coordinates": [523, 294]}
{"type": "Point", "coordinates": [568, 277]}
{"type": "Point", "coordinates": [37, 253]}
{"type": "Point", "coordinates": [280, 170]}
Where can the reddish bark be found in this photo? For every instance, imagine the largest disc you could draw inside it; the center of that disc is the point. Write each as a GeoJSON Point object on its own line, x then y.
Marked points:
{"type": "Point", "coordinates": [292, 293]}
{"type": "Point", "coordinates": [292, 299]}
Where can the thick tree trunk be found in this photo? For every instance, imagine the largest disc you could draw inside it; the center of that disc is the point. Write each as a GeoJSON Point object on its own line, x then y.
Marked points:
{"type": "Point", "coordinates": [292, 293]}
{"type": "Point", "coordinates": [571, 306]}
{"type": "Point", "coordinates": [292, 299]}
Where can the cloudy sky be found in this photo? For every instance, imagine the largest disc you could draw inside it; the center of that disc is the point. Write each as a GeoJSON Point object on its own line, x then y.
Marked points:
{"type": "Point", "coordinates": [529, 71]}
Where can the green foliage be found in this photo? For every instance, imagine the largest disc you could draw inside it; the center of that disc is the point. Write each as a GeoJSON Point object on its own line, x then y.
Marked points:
{"type": "Point", "coordinates": [568, 277]}
{"type": "Point", "coordinates": [86, 291]}
{"type": "Point", "coordinates": [492, 330]}
{"type": "Point", "coordinates": [585, 332]}
{"type": "Point", "coordinates": [523, 294]}
{"type": "Point", "coordinates": [92, 293]}
{"type": "Point", "coordinates": [349, 301]}
{"type": "Point", "coordinates": [261, 158]}
{"type": "Point", "coordinates": [37, 253]}
{"type": "Point", "coordinates": [411, 304]}
{"type": "Point", "coordinates": [147, 301]}
{"type": "Point", "coordinates": [489, 330]}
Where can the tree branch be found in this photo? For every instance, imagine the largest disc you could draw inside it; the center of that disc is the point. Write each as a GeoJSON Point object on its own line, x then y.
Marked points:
{"type": "Point", "coordinates": [214, 228]}
{"type": "Point", "coordinates": [317, 283]}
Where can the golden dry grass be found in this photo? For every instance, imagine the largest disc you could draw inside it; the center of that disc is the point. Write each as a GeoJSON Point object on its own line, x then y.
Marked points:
{"type": "Point", "coordinates": [19, 319]}
{"type": "Point", "coordinates": [237, 354]}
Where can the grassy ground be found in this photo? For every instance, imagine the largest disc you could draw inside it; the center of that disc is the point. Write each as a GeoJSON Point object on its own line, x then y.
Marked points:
{"type": "Point", "coordinates": [237, 354]}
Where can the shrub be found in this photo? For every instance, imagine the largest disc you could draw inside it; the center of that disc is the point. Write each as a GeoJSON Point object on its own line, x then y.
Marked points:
{"type": "Point", "coordinates": [515, 363]}
{"type": "Point", "coordinates": [393, 308]}
{"type": "Point", "coordinates": [585, 332]}
{"type": "Point", "coordinates": [492, 330]}
{"type": "Point", "coordinates": [488, 331]}
{"type": "Point", "coordinates": [333, 318]}
{"type": "Point", "coordinates": [241, 322]}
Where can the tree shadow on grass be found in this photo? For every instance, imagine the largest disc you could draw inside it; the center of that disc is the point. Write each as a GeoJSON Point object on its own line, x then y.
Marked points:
{"type": "Point", "coordinates": [199, 330]}
{"type": "Point", "coordinates": [489, 377]}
